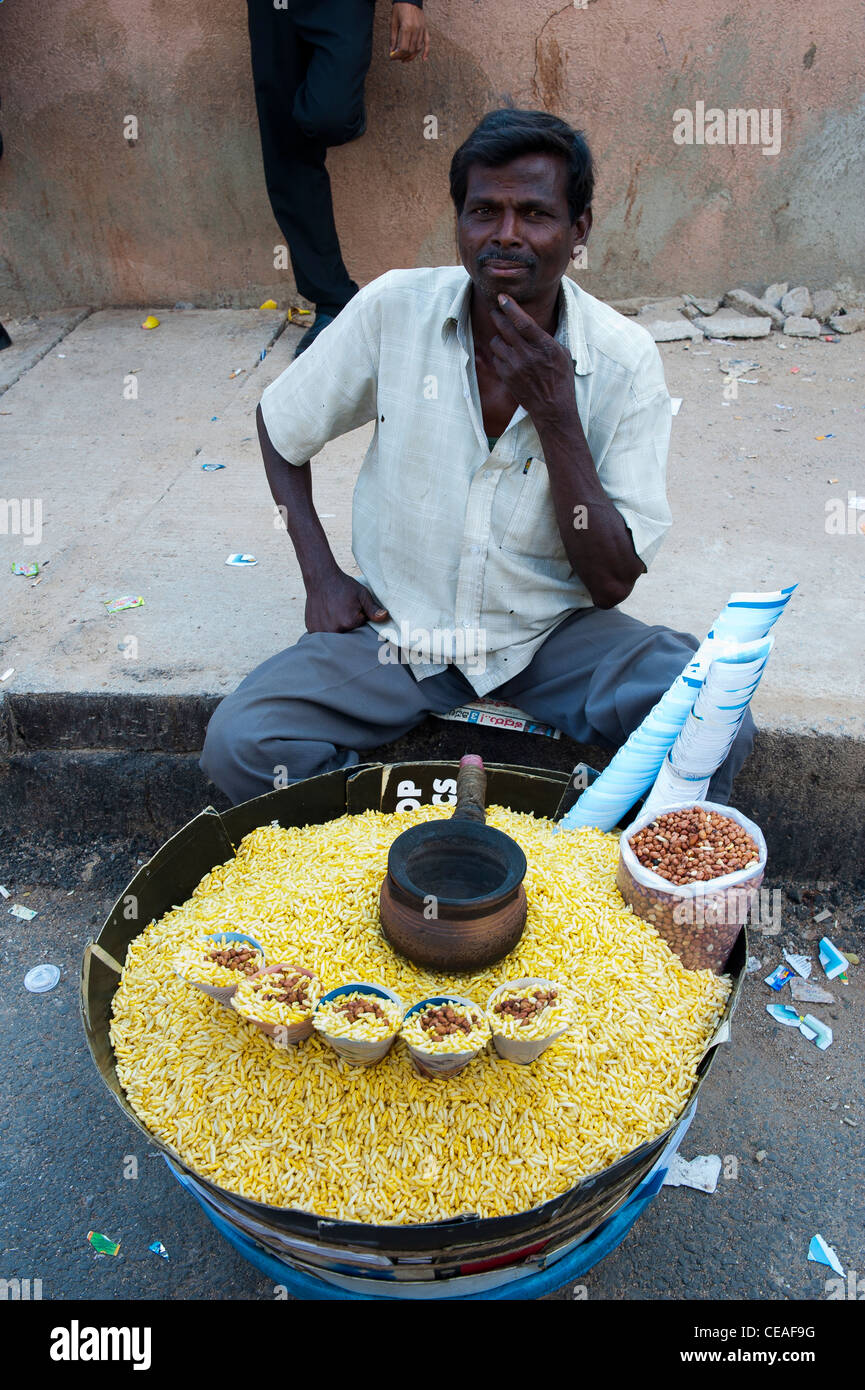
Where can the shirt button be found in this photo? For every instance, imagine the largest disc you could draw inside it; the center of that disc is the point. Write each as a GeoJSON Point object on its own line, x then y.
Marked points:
{"type": "Point", "coordinates": [476, 550]}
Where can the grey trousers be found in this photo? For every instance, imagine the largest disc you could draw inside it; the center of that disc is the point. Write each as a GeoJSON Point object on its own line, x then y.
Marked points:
{"type": "Point", "coordinates": [322, 703]}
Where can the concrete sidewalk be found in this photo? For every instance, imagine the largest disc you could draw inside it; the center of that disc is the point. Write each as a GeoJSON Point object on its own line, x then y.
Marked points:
{"type": "Point", "coordinates": [128, 509]}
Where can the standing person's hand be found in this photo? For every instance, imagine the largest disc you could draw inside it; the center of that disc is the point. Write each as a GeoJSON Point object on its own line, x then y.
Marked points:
{"type": "Point", "coordinates": [409, 36]}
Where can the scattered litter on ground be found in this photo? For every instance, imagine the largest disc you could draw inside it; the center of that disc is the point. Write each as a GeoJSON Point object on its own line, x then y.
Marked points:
{"type": "Point", "coordinates": [150, 322]}
{"type": "Point", "coordinates": [809, 1026]}
{"type": "Point", "coordinates": [25, 913]}
{"type": "Point", "coordinates": [326, 516]}
{"type": "Point", "coordinates": [103, 1245]}
{"type": "Point", "coordinates": [824, 436]}
{"type": "Point", "coordinates": [852, 958]}
{"type": "Point", "coordinates": [262, 354]}
{"type": "Point", "coordinates": [268, 304]}
{"type": "Point", "coordinates": [4, 892]}
{"type": "Point", "coordinates": [119, 605]}
{"type": "Point", "coordinates": [6, 674]}
{"type": "Point", "coordinates": [823, 1254]}
{"type": "Point", "coordinates": [237, 372]}
{"type": "Point", "coordinates": [41, 978]}
{"type": "Point", "coordinates": [807, 992]}
{"type": "Point", "coordinates": [778, 406]}
{"type": "Point", "coordinates": [823, 916]}
{"type": "Point", "coordinates": [299, 312]}
{"type": "Point", "coordinates": [157, 1247]}
{"type": "Point", "coordinates": [211, 467]}
{"type": "Point", "coordinates": [27, 570]}
{"type": "Point", "coordinates": [701, 1172]}
{"type": "Point", "coordinates": [737, 366]}
{"type": "Point", "coordinates": [754, 964]}
{"type": "Point", "coordinates": [240, 559]}
{"type": "Point", "coordinates": [831, 480]}
{"type": "Point", "coordinates": [761, 1155]}
{"type": "Point", "coordinates": [833, 961]}
{"type": "Point", "coordinates": [779, 977]}
{"type": "Point", "coordinates": [801, 964]}
{"type": "Point", "coordinates": [213, 417]}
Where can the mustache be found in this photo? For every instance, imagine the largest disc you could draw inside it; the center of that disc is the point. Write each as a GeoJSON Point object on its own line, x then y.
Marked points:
{"type": "Point", "coordinates": [486, 256]}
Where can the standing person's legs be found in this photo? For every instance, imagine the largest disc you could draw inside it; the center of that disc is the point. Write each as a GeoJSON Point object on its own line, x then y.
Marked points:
{"type": "Point", "coordinates": [296, 126]}
{"type": "Point", "coordinates": [315, 707]}
{"type": "Point", "coordinates": [600, 672]}
{"type": "Point", "coordinates": [329, 104]}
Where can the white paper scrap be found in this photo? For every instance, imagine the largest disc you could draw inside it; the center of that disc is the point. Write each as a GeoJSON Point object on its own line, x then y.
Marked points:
{"type": "Point", "coordinates": [807, 992]}
{"type": "Point", "coordinates": [701, 1172]}
{"type": "Point", "coordinates": [801, 964]}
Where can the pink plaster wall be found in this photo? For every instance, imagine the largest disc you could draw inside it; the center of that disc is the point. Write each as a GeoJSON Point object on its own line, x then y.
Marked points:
{"type": "Point", "coordinates": [86, 218]}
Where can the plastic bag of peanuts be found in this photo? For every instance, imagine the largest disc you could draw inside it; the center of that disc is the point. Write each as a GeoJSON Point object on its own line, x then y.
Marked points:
{"type": "Point", "coordinates": [693, 872]}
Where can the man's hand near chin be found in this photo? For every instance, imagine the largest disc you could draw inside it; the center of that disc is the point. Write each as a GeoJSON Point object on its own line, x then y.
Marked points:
{"type": "Point", "coordinates": [409, 36]}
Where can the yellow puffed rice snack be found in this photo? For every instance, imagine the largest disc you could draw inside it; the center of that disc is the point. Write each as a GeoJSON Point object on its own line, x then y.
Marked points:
{"type": "Point", "coordinates": [302, 1128]}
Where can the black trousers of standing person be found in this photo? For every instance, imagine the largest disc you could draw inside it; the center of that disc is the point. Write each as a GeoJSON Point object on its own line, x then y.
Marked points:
{"type": "Point", "coordinates": [309, 62]}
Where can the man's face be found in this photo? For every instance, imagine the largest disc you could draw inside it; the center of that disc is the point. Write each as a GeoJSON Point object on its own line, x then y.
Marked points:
{"type": "Point", "coordinates": [515, 230]}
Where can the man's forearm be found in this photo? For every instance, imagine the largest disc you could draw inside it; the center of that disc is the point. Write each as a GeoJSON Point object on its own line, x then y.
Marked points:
{"type": "Point", "coordinates": [595, 536]}
{"type": "Point", "coordinates": [291, 487]}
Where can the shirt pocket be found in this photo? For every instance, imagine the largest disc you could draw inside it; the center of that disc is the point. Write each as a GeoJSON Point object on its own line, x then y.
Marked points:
{"type": "Point", "coordinates": [532, 529]}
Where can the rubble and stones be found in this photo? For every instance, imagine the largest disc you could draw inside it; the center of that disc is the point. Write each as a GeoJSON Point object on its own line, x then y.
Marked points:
{"type": "Point", "coordinates": [746, 303]}
{"type": "Point", "coordinates": [797, 326]}
{"type": "Point", "coordinates": [853, 321]}
{"type": "Point", "coordinates": [798, 312]}
{"type": "Point", "coordinates": [728, 324]}
{"type": "Point", "coordinates": [798, 301]}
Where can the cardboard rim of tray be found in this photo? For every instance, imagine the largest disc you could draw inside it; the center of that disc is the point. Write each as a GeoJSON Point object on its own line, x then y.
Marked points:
{"type": "Point", "coordinates": [210, 838]}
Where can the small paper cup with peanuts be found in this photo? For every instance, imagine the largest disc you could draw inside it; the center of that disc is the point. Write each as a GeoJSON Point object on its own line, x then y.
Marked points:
{"type": "Point", "coordinates": [280, 1000]}
{"type": "Point", "coordinates": [444, 1033]}
{"type": "Point", "coordinates": [526, 1016]}
{"type": "Point", "coordinates": [359, 1021]}
{"type": "Point", "coordinates": [217, 962]}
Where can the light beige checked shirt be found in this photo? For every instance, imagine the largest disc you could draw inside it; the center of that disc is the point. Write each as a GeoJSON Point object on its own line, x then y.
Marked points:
{"type": "Point", "coordinates": [451, 538]}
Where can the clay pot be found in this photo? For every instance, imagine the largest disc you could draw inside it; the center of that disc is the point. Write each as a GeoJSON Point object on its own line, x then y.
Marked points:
{"type": "Point", "coordinates": [453, 898]}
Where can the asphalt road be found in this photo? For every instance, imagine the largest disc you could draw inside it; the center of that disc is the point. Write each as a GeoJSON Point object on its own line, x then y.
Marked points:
{"type": "Point", "coordinates": [65, 1145]}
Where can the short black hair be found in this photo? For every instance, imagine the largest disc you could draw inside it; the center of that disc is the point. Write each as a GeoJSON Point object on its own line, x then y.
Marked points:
{"type": "Point", "coordinates": [508, 133]}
